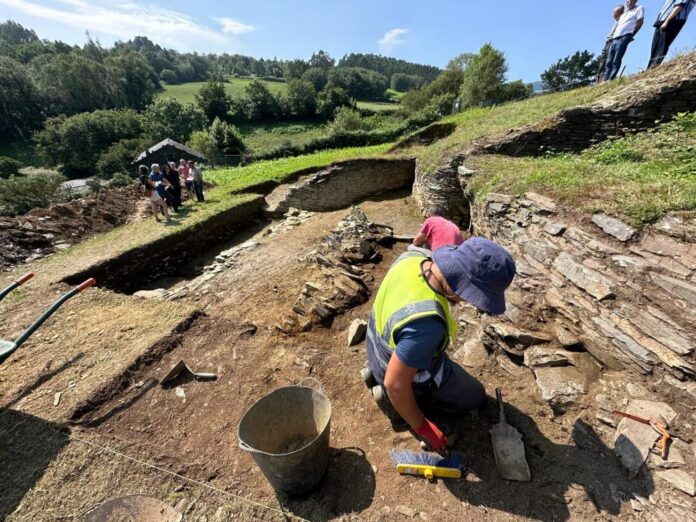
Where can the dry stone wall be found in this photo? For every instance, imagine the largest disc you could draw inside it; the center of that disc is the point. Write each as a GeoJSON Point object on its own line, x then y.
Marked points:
{"type": "Point", "coordinates": [445, 188]}
{"type": "Point", "coordinates": [646, 100]}
{"type": "Point", "coordinates": [342, 184]}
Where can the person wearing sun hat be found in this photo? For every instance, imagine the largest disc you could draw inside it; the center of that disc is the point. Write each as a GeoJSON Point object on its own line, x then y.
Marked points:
{"type": "Point", "coordinates": [411, 326]}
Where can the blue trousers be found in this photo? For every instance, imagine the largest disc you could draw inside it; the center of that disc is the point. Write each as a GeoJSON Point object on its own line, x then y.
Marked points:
{"type": "Point", "coordinates": [617, 49]}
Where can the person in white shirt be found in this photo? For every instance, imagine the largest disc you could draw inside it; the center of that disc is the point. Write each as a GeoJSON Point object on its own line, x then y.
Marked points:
{"type": "Point", "coordinates": [626, 29]}
{"type": "Point", "coordinates": [601, 69]}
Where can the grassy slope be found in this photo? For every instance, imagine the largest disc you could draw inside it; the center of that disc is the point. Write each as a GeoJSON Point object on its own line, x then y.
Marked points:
{"type": "Point", "coordinates": [638, 177]}
{"type": "Point", "coordinates": [235, 86]}
{"type": "Point", "coordinates": [473, 124]}
{"type": "Point", "coordinates": [378, 106]}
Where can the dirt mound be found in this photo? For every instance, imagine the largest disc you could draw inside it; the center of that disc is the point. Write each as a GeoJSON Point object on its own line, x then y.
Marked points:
{"type": "Point", "coordinates": [46, 230]}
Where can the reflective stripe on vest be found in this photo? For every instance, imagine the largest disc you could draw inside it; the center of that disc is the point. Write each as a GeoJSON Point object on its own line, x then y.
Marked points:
{"type": "Point", "coordinates": [405, 296]}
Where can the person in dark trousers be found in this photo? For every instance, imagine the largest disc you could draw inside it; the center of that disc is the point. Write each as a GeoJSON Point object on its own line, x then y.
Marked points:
{"type": "Point", "coordinates": [627, 28]}
{"type": "Point", "coordinates": [601, 69]}
{"type": "Point", "coordinates": [411, 326]}
{"type": "Point", "coordinates": [173, 191]}
{"type": "Point", "coordinates": [670, 21]}
{"type": "Point", "coordinates": [197, 181]}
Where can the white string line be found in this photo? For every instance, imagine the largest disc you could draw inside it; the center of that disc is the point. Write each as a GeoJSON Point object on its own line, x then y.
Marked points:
{"type": "Point", "coordinates": [182, 477]}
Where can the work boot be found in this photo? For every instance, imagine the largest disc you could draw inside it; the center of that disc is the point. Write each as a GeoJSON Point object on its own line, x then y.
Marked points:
{"type": "Point", "coordinates": [382, 400]}
{"type": "Point", "coordinates": [367, 377]}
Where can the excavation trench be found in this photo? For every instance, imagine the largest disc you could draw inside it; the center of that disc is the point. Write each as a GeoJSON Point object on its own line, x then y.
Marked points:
{"type": "Point", "coordinates": [182, 256]}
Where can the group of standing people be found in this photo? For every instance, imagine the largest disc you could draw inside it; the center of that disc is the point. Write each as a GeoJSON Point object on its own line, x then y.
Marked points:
{"type": "Point", "coordinates": [164, 186]}
{"type": "Point", "coordinates": [628, 21]}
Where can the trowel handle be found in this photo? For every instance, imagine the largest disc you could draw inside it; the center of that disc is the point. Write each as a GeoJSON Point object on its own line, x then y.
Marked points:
{"type": "Point", "coordinates": [501, 406]}
{"type": "Point", "coordinates": [205, 376]}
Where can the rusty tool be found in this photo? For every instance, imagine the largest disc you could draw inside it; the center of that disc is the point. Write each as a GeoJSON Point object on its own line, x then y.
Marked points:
{"type": "Point", "coordinates": [660, 427]}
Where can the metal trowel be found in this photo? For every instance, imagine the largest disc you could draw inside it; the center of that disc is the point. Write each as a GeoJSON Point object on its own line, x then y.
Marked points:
{"type": "Point", "coordinates": [508, 447]}
{"type": "Point", "coordinates": [180, 368]}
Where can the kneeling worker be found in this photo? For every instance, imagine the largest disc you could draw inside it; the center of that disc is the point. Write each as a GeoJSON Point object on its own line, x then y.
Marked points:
{"type": "Point", "coordinates": [411, 326]}
{"type": "Point", "coordinates": [437, 231]}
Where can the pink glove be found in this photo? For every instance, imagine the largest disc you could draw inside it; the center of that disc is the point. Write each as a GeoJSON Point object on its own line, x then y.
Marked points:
{"type": "Point", "coordinates": [433, 436]}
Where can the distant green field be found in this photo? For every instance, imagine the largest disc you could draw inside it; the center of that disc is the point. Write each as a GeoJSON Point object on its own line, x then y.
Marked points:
{"type": "Point", "coordinates": [263, 137]}
{"type": "Point", "coordinates": [184, 92]}
{"type": "Point", "coordinates": [378, 106]}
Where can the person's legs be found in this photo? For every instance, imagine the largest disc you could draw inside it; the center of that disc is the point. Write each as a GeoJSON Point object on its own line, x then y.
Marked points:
{"type": "Point", "coordinates": [155, 209]}
{"type": "Point", "coordinates": [656, 48]}
{"type": "Point", "coordinates": [621, 46]}
{"type": "Point", "coordinates": [601, 69]}
{"type": "Point", "coordinates": [671, 33]}
{"type": "Point", "coordinates": [199, 191]}
{"type": "Point", "coordinates": [459, 392]}
{"type": "Point", "coordinates": [610, 60]}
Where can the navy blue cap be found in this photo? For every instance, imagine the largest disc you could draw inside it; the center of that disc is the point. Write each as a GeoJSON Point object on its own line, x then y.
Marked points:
{"type": "Point", "coordinates": [479, 271]}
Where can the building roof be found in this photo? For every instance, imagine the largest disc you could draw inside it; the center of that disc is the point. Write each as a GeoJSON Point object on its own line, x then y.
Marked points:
{"type": "Point", "coordinates": [169, 142]}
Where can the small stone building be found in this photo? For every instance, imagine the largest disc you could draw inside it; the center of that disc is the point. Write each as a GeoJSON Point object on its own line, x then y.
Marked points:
{"type": "Point", "coordinates": [168, 150]}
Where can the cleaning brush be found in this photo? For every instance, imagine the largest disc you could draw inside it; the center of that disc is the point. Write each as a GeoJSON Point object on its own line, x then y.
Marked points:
{"type": "Point", "coordinates": [429, 464]}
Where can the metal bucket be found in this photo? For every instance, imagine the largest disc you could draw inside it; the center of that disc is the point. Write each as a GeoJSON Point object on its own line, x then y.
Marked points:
{"type": "Point", "coordinates": [287, 434]}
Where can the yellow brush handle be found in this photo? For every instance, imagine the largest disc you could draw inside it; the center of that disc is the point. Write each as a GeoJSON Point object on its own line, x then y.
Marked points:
{"type": "Point", "coordinates": [429, 472]}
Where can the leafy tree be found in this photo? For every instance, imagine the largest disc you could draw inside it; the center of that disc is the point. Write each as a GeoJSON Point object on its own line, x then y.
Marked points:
{"type": "Point", "coordinates": [9, 167]}
{"type": "Point", "coordinates": [169, 118]}
{"type": "Point", "coordinates": [136, 79]}
{"type": "Point", "coordinates": [72, 83]}
{"type": "Point", "coordinates": [517, 90]}
{"type": "Point", "coordinates": [330, 99]}
{"type": "Point", "coordinates": [321, 59]}
{"type": "Point", "coordinates": [169, 76]}
{"type": "Point", "coordinates": [483, 78]}
{"type": "Point", "coordinates": [302, 98]}
{"type": "Point", "coordinates": [294, 69]}
{"type": "Point", "coordinates": [226, 137]}
{"type": "Point", "coordinates": [433, 97]}
{"type": "Point", "coordinates": [347, 119]}
{"type": "Point", "coordinates": [118, 158]}
{"type": "Point", "coordinates": [405, 82]}
{"type": "Point", "coordinates": [213, 100]}
{"type": "Point", "coordinates": [93, 131]}
{"type": "Point", "coordinates": [570, 72]}
{"type": "Point", "coordinates": [360, 83]}
{"type": "Point", "coordinates": [14, 33]}
{"type": "Point", "coordinates": [202, 141]}
{"type": "Point", "coordinates": [461, 61]}
{"type": "Point", "coordinates": [388, 66]}
{"type": "Point", "coordinates": [260, 104]}
{"type": "Point", "coordinates": [317, 76]}
{"type": "Point", "coordinates": [20, 194]}
{"type": "Point", "coordinates": [20, 111]}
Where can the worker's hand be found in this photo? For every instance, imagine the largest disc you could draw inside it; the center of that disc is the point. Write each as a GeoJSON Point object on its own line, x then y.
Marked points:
{"type": "Point", "coordinates": [433, 436]}
{"type": "Point", "coordinates": [663, 27]}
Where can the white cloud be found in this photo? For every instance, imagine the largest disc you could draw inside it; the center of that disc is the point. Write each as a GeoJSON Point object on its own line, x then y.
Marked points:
{"type": "Point", "coordinates": [392, 38]}
{"type": "Point", "coordinates": [230, 25]}
{"type": "Point", "coordinates": [124, 19]}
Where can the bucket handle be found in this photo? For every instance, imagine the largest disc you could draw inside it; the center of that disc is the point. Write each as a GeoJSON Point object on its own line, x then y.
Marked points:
{"type": "Point", "coordinates": [316, 381]}
{"type": "Point", "coordinates": [243, 445]}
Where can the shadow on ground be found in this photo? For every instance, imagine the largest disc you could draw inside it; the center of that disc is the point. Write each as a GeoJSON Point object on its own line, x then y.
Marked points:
{"type": "Point", "coordinates": [586, 470]}
{"type": "Point", "coordinates": [347, 487]}
{"type": "Point", "coordinates": [28, 446]}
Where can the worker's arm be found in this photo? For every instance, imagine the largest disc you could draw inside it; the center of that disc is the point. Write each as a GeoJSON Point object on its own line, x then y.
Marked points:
{"type": "Point", "coordinates": [420, 239]}
{"type": "Point", "coordinates": [639, 24]}
{"type": "Point", "coordinates": [399, 384]}
{"type": "Point", "coordinates": [672, 16]}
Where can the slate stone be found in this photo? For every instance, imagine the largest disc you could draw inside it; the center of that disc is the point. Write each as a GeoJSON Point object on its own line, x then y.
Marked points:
{"type": "Point", "coordinates": [356, 332]}
{"type": "Point", "coordinates": [566, 337]}
{"type": "Point", "coordinates": [614, 227]}
{"type": "Point", "coordinates": [553, 228]}
{"type": "Point", "coordinates": [464, 171]}
{"type": "Point", "coordinates": [541, 356]}
{"type": "Point", "coordinates": [517, 337]}
{"type": "Point", "coordinates": [680, 480]}
{"type": "Point", "coordinates": [658, 330]}
{"type": "Point", "coordinates": [560, 386]}
{"type": "Point", "coordinates": [541, 202]}
{"type": "Point", "coordinates": [592, 282]}
{"type": "Point", "coordinates": [494, 197]}
{"type": "Point", "coordinates": [676, 287]}
{"type": "Point", "coordinates": [624, 342]}
{"type": "Point", "coordinates": [674, 459]}
{"type": "Point", "coordinates": [539, 250]}
{"type": "Point", "coordinates": [634, 440]}
{"type": "Point", "coordinates": [664, 245]}
{"type": "Point", "coordinates": [473, 354]}
{"type": "Point", "coordinates": [677, 226]}
{"type": "Point", "coordinates": [630, 262]}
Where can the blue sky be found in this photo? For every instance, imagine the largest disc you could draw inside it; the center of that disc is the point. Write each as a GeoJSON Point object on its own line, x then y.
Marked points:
{"type": "Point", "coordinates": [532, 34]}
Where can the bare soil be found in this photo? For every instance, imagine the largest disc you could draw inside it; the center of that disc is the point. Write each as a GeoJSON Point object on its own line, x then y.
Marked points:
{"type": "Point", "coordinates": [575, 473]}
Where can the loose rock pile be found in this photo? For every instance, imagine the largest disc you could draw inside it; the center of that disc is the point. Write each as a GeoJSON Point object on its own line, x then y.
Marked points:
{"type": "Point", "coordinates": [338, 283]}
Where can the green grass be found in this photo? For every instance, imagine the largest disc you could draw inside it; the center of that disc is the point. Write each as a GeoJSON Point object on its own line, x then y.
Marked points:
{"type": "Point", "coordinates": [263, 137]}
{"type": "Point", "coordinates": [239, 178]}
{"type": "Point", "coordinates": [378, 106]}
{"type": "Point", "coordinates": [394, 95]}
{"type": "Point", "coordinates": [476, 123]}
{"type": "Point", "coordinates": [184, 92]}
{"type": "Point", "coordinates": [638, 178]}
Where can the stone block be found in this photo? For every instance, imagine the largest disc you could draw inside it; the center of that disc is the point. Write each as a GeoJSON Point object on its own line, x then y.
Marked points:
{"type": "Point", "coordinates": [592, 282]}
{"type": "Point", "coordinates": [356, 332]}
{"type": "Point", "coordinates": [681, 480]}
{"type": "Point", "coordinates": [677, 288]}
{"type": "Point", "coordinates": [560, 386]}
{"type": "Point", "coordinates": [614, 227]}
